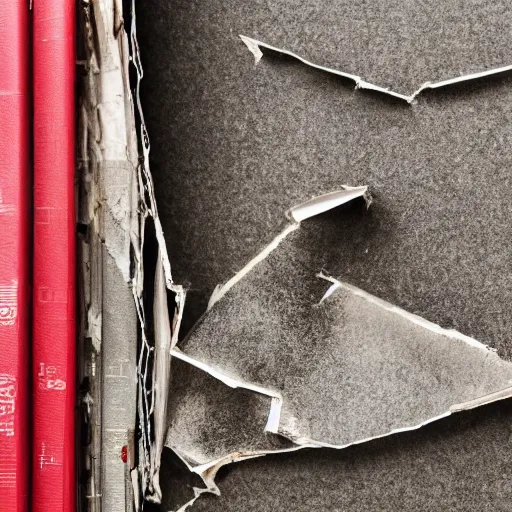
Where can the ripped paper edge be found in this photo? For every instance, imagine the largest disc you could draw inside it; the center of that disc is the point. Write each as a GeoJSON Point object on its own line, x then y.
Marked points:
{"type": "Point", "coordinates": [255, 48]}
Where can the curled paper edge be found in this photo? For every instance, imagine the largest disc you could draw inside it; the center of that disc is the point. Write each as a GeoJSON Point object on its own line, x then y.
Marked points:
{"type": "Point", "coordinates": [255, 47]}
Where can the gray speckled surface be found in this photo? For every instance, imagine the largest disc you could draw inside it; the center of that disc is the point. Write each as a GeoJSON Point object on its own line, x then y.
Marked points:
{"type": "Point", "coordinates": [234, 146]}
{"type": "Point", "coordinates": [209, 420]}
{"type": "Point", "coordinates": [348, 368]}
{"type": "Point", "coordinates": [459, 464]}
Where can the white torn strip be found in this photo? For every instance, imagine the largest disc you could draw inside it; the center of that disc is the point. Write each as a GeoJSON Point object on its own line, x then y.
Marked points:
{"type": "Point", "coordinates": [255, 47]}
{"type": "Point", "coordinates": [449, 333]}
{"type": "Point", "coordinates": [483, 400]}
{"type": "Point", "coordinates": [221, 290]}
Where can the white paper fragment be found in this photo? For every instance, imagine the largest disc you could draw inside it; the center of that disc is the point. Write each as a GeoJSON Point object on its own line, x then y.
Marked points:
{"type": "Point", "coordinates": [162, 371]}
{"type": "Point", "coordinates": [323, 203]}
{"type": "Point", "coordinates": [255, 47]}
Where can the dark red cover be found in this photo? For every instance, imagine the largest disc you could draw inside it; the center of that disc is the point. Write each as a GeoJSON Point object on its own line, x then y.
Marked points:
{"type": "Point", "coordinates": [15, 229]}
{"type": "Point", "coordinates": [54, 256]}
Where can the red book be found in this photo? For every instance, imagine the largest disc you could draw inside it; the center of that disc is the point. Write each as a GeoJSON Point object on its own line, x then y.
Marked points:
{"type": "Point", "coordinates": [54, 256]}
{"type": "Point", "coordinates": [15, 187]}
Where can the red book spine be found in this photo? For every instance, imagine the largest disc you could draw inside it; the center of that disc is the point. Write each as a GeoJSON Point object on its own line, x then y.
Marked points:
{"type": "Point", "coordinates": [15, 185]}
{"type": "Point", "coordinates": [54, 256]}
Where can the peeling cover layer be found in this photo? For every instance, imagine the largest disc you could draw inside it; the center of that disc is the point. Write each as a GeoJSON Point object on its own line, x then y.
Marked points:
{"type": "Point", "coordinates": [346, 366]}
{"type": "Point", "coordinates": [226, 422]}
{"type": "Point", "coordinates": [54, 257]}
{"type": "Point", "coordinates": [15, 185]}
{"type": "Point", "coordinates": [335, 360]}
{"type": "Point", "coordinates": [256, 48]}
{"type": "Point", "coordinates": [202, 411]}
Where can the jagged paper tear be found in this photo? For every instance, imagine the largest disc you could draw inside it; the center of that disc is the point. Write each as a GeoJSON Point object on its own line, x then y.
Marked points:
{"type": "Point", "coordinates": [256, 47]}
{"type": "Point", "coordinates": [347, 366]}
{"type": "Point", "coordinates": [296, 214]}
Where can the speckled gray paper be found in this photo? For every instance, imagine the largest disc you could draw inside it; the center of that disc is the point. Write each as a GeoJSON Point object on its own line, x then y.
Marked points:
{"type": "Point", "coordinates": [234, 146]}
{"type": "Point", "coordinates": [209, 421]}
{"type": "Point", "coordinates": [458, 464]}
{"type": "Point", "coordinates": [348, 368]}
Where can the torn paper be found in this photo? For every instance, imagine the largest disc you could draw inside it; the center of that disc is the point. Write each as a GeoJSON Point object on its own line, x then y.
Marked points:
{"type": "Point", "coordinates": [205, 445]}
{"type": "Point", "coordinates": [203, 430]}
{"type": "Point", "coordinates": [256, 48]}
{"type": "Point", "coordinates": [455, 456]}
{"type": "Point", "coordinates": [212, 424]}
{"type": "Point", "coordinates": [299, 131]}
{"type": "Point", "coordinates": [347, 366]}
{"type": "Point", "coordinates": [334, 360]}
{"type": "Point", "coordinates": [310, 208]}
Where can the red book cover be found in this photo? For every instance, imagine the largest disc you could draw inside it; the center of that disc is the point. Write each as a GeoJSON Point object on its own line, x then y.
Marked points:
{"type": "Point", "coordinates": [54, 256]}
{"type": "Point", "coordinates": [15, 229]}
